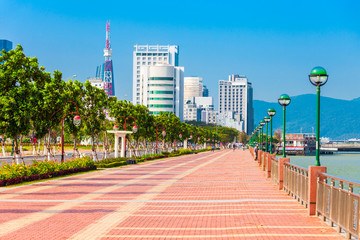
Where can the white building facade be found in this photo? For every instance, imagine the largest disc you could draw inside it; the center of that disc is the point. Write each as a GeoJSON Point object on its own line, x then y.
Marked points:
{"type": "Point", "coordinates": [162, 89]}
{"type": "Point", "coordinates": [150, 55]}
{"type": "Point", "coordinates": [193, 87]}
{"type": "Point", "coordinates": [236, 96]}
{"type": "Point", "coordinates": [200, 109]}
{"type": "Point", "coordinates": [96, 82]}
{"type": "Point", "coordinates": [190, 111]}
{"type": "Point", "coordinates": [230, 119]}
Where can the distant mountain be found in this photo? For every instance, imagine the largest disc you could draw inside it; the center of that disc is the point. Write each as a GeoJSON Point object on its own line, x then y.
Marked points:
{"type": "Point", "coordinates": [338, 118]}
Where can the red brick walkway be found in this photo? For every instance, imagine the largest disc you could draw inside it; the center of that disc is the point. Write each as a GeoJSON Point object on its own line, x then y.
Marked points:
{"type": "Point", "coordinates": [221, 195]}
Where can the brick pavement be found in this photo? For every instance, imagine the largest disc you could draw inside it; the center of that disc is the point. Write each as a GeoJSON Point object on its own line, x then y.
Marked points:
{"type": "Point", "coordinates": [221, 195]}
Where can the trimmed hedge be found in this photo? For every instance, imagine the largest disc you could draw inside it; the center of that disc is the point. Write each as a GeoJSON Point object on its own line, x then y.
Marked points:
{"type": "Point", "coordinates": [121, 161]}
{"type": "Point", "coordinates": [17, 180]}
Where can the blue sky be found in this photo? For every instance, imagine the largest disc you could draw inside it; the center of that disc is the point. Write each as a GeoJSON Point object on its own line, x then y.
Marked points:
{"type": "Point", "coordinates": [274, 43]}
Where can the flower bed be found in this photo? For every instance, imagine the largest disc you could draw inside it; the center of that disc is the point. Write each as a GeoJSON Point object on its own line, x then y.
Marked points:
{"type": "Point", "coordinates": [18, 173]}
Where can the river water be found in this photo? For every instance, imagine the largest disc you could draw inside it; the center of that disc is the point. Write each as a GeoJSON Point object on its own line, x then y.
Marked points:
{"type": "Point", "coordinates": [346, 165]}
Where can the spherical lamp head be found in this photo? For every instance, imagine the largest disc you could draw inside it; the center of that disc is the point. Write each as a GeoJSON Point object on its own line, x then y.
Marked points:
{"type": "Point", "coordinates": [271, 112]}
{"type": "Point", "coordinates": [77, 120]}
{"type": "Point", "coordinates": [284, 100]}
{"type": "Point", "coordinates": [318, 76]}
{"type": "Point", "coordinates": [262, 123]}
{"type": "Point", "coordinates": [267, 119]}
{"type": "Point", "coordinates": [135, 129]}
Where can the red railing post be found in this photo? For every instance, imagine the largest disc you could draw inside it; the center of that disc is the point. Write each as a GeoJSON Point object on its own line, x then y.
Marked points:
{"type": "Point", "coordinates": [281, 171]}
{"type": "Point", "coordinates": [270, 156]}
{"type": "Point", "coordinates": [312, 187]}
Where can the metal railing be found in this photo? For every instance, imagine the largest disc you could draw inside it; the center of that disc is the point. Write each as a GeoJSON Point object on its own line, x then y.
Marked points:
{"type": "Point", "coordinates": [296, 182]}
{"type": "Point", "coordinates": [338, 204]}
{"type": "Point", "coordinates": [266, 164]}
{"type": "Point", "coordinates": [275, 170]}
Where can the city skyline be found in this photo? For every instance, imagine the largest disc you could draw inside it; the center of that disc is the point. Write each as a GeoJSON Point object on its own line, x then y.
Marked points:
{"type": "Point", "coordinates": [275, 51]}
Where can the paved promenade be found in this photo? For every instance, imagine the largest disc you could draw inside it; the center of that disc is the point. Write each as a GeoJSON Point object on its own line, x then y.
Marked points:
{"type": "Point", "coordinates": [220, 195]}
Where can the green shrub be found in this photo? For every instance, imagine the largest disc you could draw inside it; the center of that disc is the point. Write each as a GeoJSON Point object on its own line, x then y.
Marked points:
{"type": "Point", "coordinates": [8, 171]}
{"type": "Point", "coordinates": [111, 160]}
{"type": "Point", "coordinates": [112, 164]}
{"type": "Point", "coordinates": [185, 151]}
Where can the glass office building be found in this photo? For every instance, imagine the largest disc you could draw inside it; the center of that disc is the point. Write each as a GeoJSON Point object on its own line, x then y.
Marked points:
{"type": "Point", "coordinates": [5, 44]}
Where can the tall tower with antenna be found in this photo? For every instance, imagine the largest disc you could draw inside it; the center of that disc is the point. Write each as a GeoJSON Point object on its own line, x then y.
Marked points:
{"type": "Point", "coordinates": [108, 78]}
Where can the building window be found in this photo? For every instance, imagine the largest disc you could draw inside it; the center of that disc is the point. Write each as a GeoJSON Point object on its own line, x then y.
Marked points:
{"type": "Point", "coordinates": [162, 78]}
{"type": "Point", "coordinates": [161, 85]}
{"type": "Point", "coordinates": [161, 92]}
{"type": "Point", "coordinates": [161, 106]}
{"type": "Point", "coordinates": [161, 99]}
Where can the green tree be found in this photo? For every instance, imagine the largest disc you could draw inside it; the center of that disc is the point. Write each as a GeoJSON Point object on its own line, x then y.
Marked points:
{"type": "Point", "coordinates": [74, 94]}
{"type": "Point", "coordinates": [48, 107]}
{"type": "Point", "coordinates": [95, 102]}
{"type": "Point", "coordinates": [171, 124]}
{"type": "Point", "coordinates": [17, 76]}
{"type": "Point", "coordinates": [243, 138]}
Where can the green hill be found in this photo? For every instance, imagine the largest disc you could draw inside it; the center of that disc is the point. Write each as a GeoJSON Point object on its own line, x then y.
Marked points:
{"type": "Point", "coordinates": [338, 117]}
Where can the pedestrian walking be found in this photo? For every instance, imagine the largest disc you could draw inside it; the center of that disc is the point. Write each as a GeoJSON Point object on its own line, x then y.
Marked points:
{"type": "Point", "coordinates": [234, 146]}
{"type": "Point", "coordinates": [256, 149]}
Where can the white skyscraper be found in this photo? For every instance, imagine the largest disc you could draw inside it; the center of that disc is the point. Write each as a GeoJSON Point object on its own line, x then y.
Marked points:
{"type": "Point", "coordinates": [149, 55]}
{"type": "Point", "coordinates": [163, 89]}
{"type": "Point", "coordinates": [193, 87]}
{"type": "Point", "coordinates": [236, 95]}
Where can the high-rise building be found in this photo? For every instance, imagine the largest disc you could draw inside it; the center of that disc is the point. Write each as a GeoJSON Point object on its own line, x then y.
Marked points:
{"type": "Point", "coordinates": [200, 109]}
{"type": "Point", "coordinates": [96, 82]}
{"type": "Point", "coordinates": [190, 112]}
{"type": "Point", "coordinates": [149, 55]}
{"type": "Point", "coordinates": [206, 109]}
{"type": "Point", "coordinates": [230, 119]}
{"type": "Point", "coordinates": [236, 95]}
{"type": "Point", "coordinates": [205, 91]}
{"type": "Point", "coordinates": [5, 44]}
{"type": "Point", "coordinates": [162, 89]}
{"type": "Point", "coordinates": [193, 87]}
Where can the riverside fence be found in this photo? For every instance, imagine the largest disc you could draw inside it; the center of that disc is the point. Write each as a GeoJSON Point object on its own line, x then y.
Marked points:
{"type": "Point", "coordinates": [330, 197]}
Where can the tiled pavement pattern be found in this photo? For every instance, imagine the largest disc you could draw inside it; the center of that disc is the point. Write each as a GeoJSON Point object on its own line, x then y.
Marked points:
{"type": "Point", "coordinates": [220, 195]}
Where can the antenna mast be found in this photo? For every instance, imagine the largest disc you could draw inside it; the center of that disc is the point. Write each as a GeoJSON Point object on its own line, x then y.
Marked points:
{"type": "Point", "coordinates": [108, 69]}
